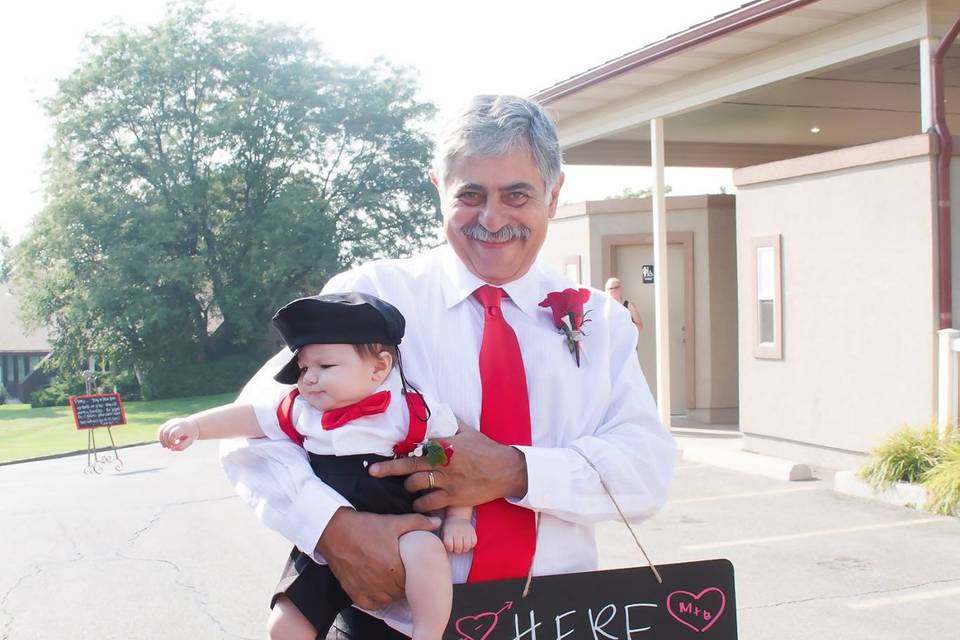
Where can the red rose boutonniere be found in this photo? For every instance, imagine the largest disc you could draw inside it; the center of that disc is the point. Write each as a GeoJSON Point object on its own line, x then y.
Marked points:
{"type": "Point", "coordinates": [568, 316]}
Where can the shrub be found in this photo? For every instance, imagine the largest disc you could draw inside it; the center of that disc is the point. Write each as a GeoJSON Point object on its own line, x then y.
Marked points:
{"type": "Point", "coordinates": [3, 393]}
{"type": "Point", "coordinates": [228, 373]}
{"type": "Point", "coordinates": [58, 392]}
{"type": "Point", "coordinates": [942, 482]}
{"type": "Point", "coordinates": [66, 384]}
{"type": "Point", "coordinates": [125, 382]}
{"type": "Point", "coordinates": [905, 457]}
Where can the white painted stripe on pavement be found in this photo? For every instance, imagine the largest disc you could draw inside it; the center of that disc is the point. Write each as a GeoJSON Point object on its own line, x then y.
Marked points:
{"type": "Point", "coordinates": [810, 534]}
{"type": "Point", "coordinates": [910, 597]}
{"type": "Point", "coordinates": [752, 494]}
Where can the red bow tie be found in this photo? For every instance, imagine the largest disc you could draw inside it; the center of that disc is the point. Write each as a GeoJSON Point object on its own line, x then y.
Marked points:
{"type": "Point", "coordinates": [369, 406]}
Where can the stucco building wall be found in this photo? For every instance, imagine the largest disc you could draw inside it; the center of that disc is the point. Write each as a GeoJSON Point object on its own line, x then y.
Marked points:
{"type": "Point", "coordinates": [858, 299]}
{"type": "Point", "coordinates": [566, 240]}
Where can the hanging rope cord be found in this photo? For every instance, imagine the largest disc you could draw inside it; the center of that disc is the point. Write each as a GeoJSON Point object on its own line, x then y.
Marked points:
{"type": "Point", "coordinates": [603, 484]}
{"type": "Point", "coordinates": [653, 567]}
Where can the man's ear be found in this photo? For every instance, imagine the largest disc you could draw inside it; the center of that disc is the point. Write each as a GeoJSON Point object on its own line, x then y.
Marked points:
{"type": "Point", "coordinates": [555, 196]}
{"type": "Point", "coordinates": [382, 365]}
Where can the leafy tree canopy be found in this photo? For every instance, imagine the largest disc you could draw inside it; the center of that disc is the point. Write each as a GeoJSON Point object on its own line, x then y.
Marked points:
{"type": "Point", "coordinates": [204, 172]}
{"type": "Point", "coordinates": [5, 265]}
{"type": "Point", "coordinates": [630, 192]}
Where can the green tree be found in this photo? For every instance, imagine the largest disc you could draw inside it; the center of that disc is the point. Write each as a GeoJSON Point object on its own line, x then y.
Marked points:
{"type": "Point", "coordinates": [630, 192]}
{"type": "Point", "coordinates": [205, 171]}
{"type": "Point", "coordinates": [5, 266]}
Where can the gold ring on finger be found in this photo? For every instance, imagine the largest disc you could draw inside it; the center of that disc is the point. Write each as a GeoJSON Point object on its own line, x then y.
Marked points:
{"type": "Point", "coordinates": [431, 480]}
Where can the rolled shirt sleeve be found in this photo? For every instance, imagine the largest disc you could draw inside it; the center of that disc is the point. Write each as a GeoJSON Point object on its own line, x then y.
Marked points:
{"type": "Point", "coordinates": [273, 475]}
{"type": "Point", "coordinates": [630, 449]}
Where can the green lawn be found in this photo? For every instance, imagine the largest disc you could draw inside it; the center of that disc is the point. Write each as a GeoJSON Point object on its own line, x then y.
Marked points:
{"type": "Point", "coordinates": [29, 433]}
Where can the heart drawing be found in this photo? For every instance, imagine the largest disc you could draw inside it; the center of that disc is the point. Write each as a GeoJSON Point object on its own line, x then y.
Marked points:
{"type": "Point", "coordinates": [700, 611]}
{"type": "Point", "coordinates": [480, 626]}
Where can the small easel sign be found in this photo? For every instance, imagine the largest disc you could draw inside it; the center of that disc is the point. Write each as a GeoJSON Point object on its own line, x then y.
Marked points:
{"type": "Point", "coordinates": [695, 601]}
{"type": "Point", "coordinates": [91, 412]}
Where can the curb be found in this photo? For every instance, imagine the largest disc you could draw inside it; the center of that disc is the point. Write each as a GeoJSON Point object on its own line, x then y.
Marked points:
{"type": "Point", "coordinates": [900, 494]}
{"type": "Point", "coordinates": [78, 452]}
{"type": "Point", "coordinates": [746, 462]}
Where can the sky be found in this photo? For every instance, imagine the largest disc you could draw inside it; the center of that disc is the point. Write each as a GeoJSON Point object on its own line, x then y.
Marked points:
{"type": "Point", "coordinates": [459, 49]}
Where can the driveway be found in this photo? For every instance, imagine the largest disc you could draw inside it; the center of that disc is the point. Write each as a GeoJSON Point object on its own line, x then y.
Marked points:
{"type": "Point", "coordinates": [163, 549]}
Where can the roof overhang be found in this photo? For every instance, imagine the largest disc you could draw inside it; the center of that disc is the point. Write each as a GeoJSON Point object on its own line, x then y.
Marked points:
{"type": "Point", "coordinates": [728, 23]}
{"type": "Point", "coordinates": [749, 86]}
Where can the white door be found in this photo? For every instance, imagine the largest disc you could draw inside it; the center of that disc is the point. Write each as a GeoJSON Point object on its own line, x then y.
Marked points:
{"type": "Point", "coordinates": [628, 265]}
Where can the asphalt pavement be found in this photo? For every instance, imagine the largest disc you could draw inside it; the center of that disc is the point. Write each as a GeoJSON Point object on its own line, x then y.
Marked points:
{"type": "Point", "coordinates": [164, 549]}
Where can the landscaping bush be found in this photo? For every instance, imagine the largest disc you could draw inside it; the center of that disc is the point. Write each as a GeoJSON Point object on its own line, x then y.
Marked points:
{"type": "Point", "coordinates": [923, 457]}
{"type": "Point", "coordinates": [227, 374]}
{"type": "Point", "coordinates": [942, 482]}
{"type": "Point", "coordinates": [905, 457]}
{"type": "Point", "coordinates": [64, 385]}
{"type": "Point", "coordinates": [125, 383]}
{"type": "Point", "coordinates": [58, 392]}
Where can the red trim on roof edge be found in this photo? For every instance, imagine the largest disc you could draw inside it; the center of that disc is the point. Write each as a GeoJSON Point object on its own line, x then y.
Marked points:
{"type": "Point", "coordinates": [736, 20]}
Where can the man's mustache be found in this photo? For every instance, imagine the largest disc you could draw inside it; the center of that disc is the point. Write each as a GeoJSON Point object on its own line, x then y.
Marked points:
{"type": "Point", "coordinates": [477, 231]}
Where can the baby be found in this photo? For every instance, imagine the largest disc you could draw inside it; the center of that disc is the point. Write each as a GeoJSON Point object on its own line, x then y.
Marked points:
{"type": "Point", "coordinates": [346, 411]}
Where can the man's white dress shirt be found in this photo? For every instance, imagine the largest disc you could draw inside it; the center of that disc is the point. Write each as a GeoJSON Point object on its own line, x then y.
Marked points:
{"type": "Point", "coordinates": [602, 410]}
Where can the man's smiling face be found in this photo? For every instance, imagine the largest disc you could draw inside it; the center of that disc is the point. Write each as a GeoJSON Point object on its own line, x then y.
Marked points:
{"type": "Point", "coordinates": [495, 213]}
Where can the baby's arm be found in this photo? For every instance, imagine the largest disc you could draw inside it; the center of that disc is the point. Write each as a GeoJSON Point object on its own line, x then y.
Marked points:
{"type": "Point", "coordinates": [226, 421]}
{"type": "Point", "coordinates": [459, 536]}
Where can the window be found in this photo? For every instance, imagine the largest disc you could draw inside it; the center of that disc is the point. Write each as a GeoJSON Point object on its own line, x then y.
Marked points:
{"type": "Point", "coordinates": [768, 316]}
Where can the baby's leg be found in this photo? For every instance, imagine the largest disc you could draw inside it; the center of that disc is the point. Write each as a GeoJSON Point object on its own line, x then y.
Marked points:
{"type": "Point", "coordinates": [429, 585]}
{"type": "Point", "coordinates": [287, 623]}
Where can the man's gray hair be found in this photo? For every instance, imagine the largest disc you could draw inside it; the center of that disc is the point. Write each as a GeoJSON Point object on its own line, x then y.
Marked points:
{"type": "Point", "coordinates": [495, 126]}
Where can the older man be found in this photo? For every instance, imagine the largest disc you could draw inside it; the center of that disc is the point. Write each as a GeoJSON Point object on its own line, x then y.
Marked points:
{"type": "Point", "coordinates": [542, 425]}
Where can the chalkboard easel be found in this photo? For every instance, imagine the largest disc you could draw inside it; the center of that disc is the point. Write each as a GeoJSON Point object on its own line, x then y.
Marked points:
{"type": "Point", "coordinates": [94, 411]}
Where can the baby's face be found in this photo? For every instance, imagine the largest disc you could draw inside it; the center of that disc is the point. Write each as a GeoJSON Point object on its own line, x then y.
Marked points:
{"type": "Point", "coordinates": [334, 375]}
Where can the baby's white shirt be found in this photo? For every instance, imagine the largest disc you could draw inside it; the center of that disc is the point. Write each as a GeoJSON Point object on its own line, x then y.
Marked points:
{"type": "Point", "coordinates": [368, 434]}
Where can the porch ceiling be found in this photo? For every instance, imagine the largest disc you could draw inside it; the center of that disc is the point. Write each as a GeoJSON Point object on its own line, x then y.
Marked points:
{"type": "Point", "coordinates": [873, 96]}
{"type": "Point", "coordinates": [872, 100]}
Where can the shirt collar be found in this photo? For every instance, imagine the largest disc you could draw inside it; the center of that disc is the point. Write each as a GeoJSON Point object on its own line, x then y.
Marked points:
{"type": "Point", "coordinates": [459, 283]}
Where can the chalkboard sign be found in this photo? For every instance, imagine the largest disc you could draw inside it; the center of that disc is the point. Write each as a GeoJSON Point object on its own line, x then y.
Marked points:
{"type": "Point", "coordinates": [99, 410]}
{"type": "Point", "coordinates": [695, 602]}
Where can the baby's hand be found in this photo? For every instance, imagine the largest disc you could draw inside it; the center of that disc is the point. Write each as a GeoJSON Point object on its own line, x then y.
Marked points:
{"type": "Point", "coordinates": [459, 536]}
{"type": "Point", "coordinates": [178, 434]}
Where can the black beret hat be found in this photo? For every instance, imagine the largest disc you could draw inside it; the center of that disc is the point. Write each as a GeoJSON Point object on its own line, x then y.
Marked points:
{"type": "Point", "coordinates": [335, 318]}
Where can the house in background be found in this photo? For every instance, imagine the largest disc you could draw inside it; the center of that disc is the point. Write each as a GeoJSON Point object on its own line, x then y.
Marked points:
{"type": "Point", "coordinates": [20, 350]}
{"type": "Point", "coordinates": [832, 247]}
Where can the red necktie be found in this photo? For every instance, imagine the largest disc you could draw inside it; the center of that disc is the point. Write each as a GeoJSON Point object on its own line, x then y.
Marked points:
{"type": "Point", "coordinates": [506, 534]}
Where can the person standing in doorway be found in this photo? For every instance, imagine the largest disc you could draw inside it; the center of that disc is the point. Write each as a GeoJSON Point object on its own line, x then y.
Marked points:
{"type": "Point", "coordinates": [614, 289]}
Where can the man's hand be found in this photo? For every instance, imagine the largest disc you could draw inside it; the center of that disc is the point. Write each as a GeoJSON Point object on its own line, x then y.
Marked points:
{"type": "Point", "coordinates": [362, 551]}
{"type": "Point", "coordinates": [481, 470]}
